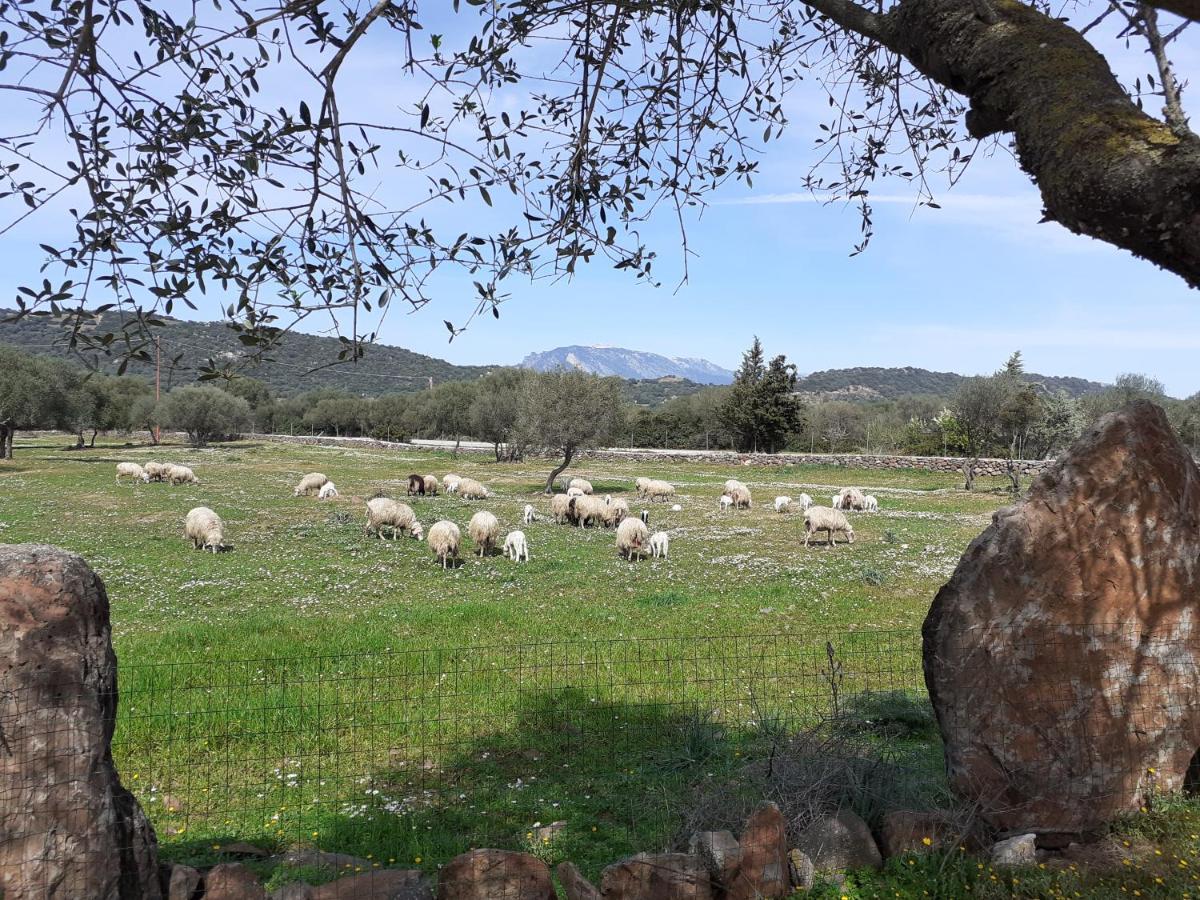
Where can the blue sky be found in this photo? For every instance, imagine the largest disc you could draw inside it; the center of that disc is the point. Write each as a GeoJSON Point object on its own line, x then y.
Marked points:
{"type": "Point", "coordinates": [952, 289]}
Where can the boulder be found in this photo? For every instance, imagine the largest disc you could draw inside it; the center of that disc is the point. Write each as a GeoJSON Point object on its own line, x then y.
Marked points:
{"type": "Point", "coordinates": [574, 885]}
{"type": "Point", "coordinates": [380, 884]}
{"type": "Point", "coordinates": [1062, 655]}
{"type": "Point", "coordinates": [68, 829]}
{"type": "Point", "coordinates": [905, 831]}
{"type": "Point", "coordinates": [801, 870]}
{"type": "Point", "coordinates": [1015, 851]}
{"type": "Point", "coordinates": [662, 876]}
{"type": "Point", "coordinates": [184, 883]}
{"type": "Point", "coordinates": [762, 871]}
{"type": "Point", "coordinates": [719, 851]}
{"type": "Point", "coordinates": [495, 875]}
{"type": "Point", "coordinates": [838, 843]}
{"type": "Point", "coordinates": [232, 881]}
{"type": "Point", "coordinates": [311, 858]}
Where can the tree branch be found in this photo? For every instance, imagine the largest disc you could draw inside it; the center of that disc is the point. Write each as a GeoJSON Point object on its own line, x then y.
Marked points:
{"type": "Point", "coordinates": [1172, 103]}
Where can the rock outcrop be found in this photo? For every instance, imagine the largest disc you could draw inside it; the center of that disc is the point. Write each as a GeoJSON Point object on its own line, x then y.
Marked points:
{"type": "Point", "coordinates": [1063, 656]}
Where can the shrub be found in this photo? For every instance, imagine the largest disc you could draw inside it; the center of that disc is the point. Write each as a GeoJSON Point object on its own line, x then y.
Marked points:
{"type": "Point", "coordinates": [206, 413]}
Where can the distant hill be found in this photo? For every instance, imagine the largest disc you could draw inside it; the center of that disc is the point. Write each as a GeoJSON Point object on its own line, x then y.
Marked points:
{"type": "Point", "coordinates": [872, 383]}
{"type": "Point", "coordinates": [655, 391]}
{"type": "Point", "coordinates": [288, 370]}
{"type": "Point", "coordinates": [632, 364]}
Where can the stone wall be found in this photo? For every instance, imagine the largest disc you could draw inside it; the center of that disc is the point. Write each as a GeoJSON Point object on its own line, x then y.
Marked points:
{"type": "Point", "coordinates": [997, 467]}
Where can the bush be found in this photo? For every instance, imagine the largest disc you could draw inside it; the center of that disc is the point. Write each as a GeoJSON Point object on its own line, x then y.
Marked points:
{"type": "Point", "coordinates": [206, 413]}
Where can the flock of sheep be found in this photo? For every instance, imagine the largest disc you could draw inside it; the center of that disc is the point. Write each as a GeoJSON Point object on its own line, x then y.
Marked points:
{"type": "Point", "coordinates": [577, 506]}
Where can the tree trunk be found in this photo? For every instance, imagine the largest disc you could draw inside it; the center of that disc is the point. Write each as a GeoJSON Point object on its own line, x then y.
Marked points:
{"type": "Point", "coordinates": [1104, 167]}
{"type": "Point", "coordinates": [969, 474]}
{"type": "Point", "coordinates": [79, 444]}
{"type": "Point", "coordinates": [457, 444]}
{"type": "Point", "coordinates": [5, 446]}
{"type": "Point", "coordinates": [92, 442]}
{"type": "Point", "coordinates": [568, 455]}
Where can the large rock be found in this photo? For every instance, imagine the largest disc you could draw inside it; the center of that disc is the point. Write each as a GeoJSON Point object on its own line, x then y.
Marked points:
{"type": "Point", "coordinates": [495, 875]}
{"type": "Point", "coordinates": [68, 829]}
{"type": "Point", "coordinates": [762, 870]}
{"type": "Point", "coordinates": [662, 876]}
{"type": "Point", "coordinates": [574, 885]}
{"type": "Point", "coordinates": [232, 881]}
{"type": "Point", "coordinates": [840, 842]}
{"type": "Point", "coordinates": [1062, 656]}
{"type": "Point", "coordinates": [380, 884]}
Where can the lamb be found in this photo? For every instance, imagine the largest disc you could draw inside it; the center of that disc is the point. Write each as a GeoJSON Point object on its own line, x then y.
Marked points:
{"type": "Point", "coordinates": [470, 489]}
{"type": "Point", "coordinates": [726, 503]}
{"type": "Point", "coordinates": [632, 537]}
{"type": "Point", "coordinates": [516, 547]}
{"type": "Point", "coordinates": [416, 485]}
{"type": "Point", "coordinates": [204, 529]}
{"type": "Point", "coordinates": [660, 544]}
{"type": "Point", "coordinates": [560, 508]}
{"type": "Point", "coordinates": [615, 512]}
{"type": "Point", "coordinates": [831, 521]}
{"type": "Point", "coordinates": [313, 481]}
{"type": "Point", "coordinates": [431, 485]}
{"type": "Point", "coordinates": [132, 470]}
{"type": "Point", "coordinates": [804, 502]}
{"type": "Point", "coordinates": [582, 483]}
{"type": "Point", "coordinates": [659, 490]}
{"type": "Point", "coordinates": [741, 497]}
{"type": "Point", "coordinates": [484, 530]}
{"type": "Point", "coordinates": [782, 504]}
{"type": "Point", "coordinates": [156, 470]}
{"type": "Point", "coordinates": [444, 541]}
{"type": "Point", "coordinates": [450, 483]}
{"type": "Point", "coordinates": [836, 501]}
{"type": "Point", "coordinates": [529, 515]}
{"type": "Point", "coordinates": [328, 491]}
{"type": "Point", "coordinates": [384, 511]}
{"type": "Point", "coordinates": [870, 504]}
{"type": "Point", "coordinates": [181, 475]}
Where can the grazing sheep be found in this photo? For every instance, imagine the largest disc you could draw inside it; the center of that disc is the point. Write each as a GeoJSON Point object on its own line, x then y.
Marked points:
{"type": "Point", "coordinates": [782, 504]}
{"type": "Point", "coordinates": [313, 481]}
{"type": "Point", "coordinates": [615, 512]}
{"type": "Point", "coordinates": [640, 484]}
{"type": "Point", "coordinates": [850, 498]}
{"type": "Point", "coordinates": [204, 529]}
{"type": "Point", "coordinates": [529, 515]}
{"type": "Point", "coordinates": [831, 521]}
{"type": "Point", "coordinates": [431, 485]}
{"type": "Point", "coordinates": [870, 504]}
{"type": "Point", "coordinates": [444, 541]}
{"type": "Point", "coordinates": [516, 547]}
{"type": "Point", "coordinates": [836, 501]}
{"type": "Point", "coordinates": [470, 489]}
{"type": "Point", "coordinates": [575, 491]}
{"type": "Point", "coordinates": [659, 490]}
{"type": "Point", "coordinates": [582, 483]}
{"type": "Point", "coordinates": [632, 537]}
{"type": "Point", "coordinates": [328, 491]}
{"type": "Point", "coordinates": [132, 470]}
{"type": "Point", "coordinates": [804, 502]}
{"type": "Point", "coordinates": [484, 530]}
{"type": "Point", "coordinates": [560, 508]}
{"type": "Point", "coordinates": [660, 544]}
{"type": "Point", "coordinates": [416, 485]}
{"type": "Point", "coordinates": [384, 511]}
{"type": "Point", "coordinates": [741, 497]}
{"type": "Point", "coordinates": [587, 510]}
{"type": "Point", "coordinates": [156, 470]}
{"type": "Point", "coordinates": [450, 483]}
{"type": "Point", "coordinates": [181, 475]}
{"type": "Point", "coordinates": [726, 503]}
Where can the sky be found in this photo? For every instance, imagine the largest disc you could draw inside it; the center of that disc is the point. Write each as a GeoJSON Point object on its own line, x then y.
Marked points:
{"type": "Point", "coordinates": [957, 288]}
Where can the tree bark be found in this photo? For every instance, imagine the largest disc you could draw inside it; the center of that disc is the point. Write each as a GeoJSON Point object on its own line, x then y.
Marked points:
{"type": "Point", "coordinates": [1105, 168]}
{"type": "Point", "coordinates": [568, 455]}
{"type": "Point", "coordinates": [5, 451]}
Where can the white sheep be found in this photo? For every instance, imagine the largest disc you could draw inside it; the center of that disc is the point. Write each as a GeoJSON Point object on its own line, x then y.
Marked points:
{"type": "Point", "coordinates": [516, 547]}
{"type": "Point", "coordinates": [450, 483]}
{"type": "Point", "coordinates": [156, 470]}
{"type": "Point", "coordinates": [870, 504]}
{"type": "Point", "coordinates": [831, 521]}
{"type": "Point", "coordinates": [782, 504]}
{"type": "Point", "coordinates": [204, 529]}
{"type": "Point", "coordinates": [484, 530]}
{"type": "Point", "coordinates": [587, 510]}
{"type": "Point", "coordinates": [640, 484]}
{"type": "Point", "coordinates": [470, 489]}
{"type": "Point", "coordinates": [444, 541]}
{"type": "Point", "coordinates": [132, 470]}
{"type": "Point", "coordinates": [328, 491]}
{"type": "Point", "coordinates": [529, 515]}
{"type": "Point", "coordinates": [431, 485]}
{"type": "Point", "coordinates": [726, 503]}
{"type": "Point", "coordinates": [804, 502]}
{"type": "Point", "coordinates": [615, 512]}
{"type": "Point", "coordinates": [836, 501]}
{"type": "Point", "coordinates": [560, 508]}
{"type": "Point", "coordinates": [849, 498]}
{"type": "Point", "coordinates": [181, 475]}
{"type": "Point", "coordinates": [660, 544]}
{"type": "Point", "coordinates": [741, 497]}
{"type": "Point", "coordinates": [632, 537]}
{"type": "Point", "coordinates": [313, 481]}
{"type": "Point", "coordinates": [575, 491]}
{"type": "Point", "coordinates": [582, 483]}
{"type": "Point", "coordinates": [659, 490]}
{"type": "Point", "coordinates": [399, 517]}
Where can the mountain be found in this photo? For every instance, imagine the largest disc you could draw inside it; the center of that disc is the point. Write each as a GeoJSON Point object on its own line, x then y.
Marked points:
{"type": "Point", "coordinates": [871, 383]}
{"type": "Point", "coordinates": [292, 368]}
{"type": "Point", "coordinates": [632, 364]}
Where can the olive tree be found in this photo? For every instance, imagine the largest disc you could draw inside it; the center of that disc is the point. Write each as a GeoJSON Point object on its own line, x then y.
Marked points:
{"type": "Point", "coordinates": [566, 411]}
{"type": "Point", "coordinates": [204, 413]}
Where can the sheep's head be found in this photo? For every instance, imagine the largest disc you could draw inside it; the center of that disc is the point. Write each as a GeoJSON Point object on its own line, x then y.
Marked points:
{"type": "Point", "coordinates": [417, 531]}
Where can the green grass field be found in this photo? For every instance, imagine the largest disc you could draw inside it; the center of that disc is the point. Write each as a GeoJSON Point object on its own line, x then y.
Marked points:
{"type": "Point", "coordinates": [316, 686]}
